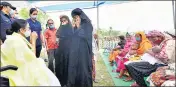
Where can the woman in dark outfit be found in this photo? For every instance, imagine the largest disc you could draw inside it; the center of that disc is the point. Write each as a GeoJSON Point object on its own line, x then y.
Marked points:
{"type": "Point", "coordinates": [80, 55]}
{"type": "Point", "coordinates": [62, 53]}
{"type": "Point", "coordinates": [36, 26]}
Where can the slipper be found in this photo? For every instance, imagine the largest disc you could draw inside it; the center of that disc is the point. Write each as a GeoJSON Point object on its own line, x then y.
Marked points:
{"type": "Point", "coordinates": [118, 77]}
{"type": "Point", "coordinates": [127, 80]}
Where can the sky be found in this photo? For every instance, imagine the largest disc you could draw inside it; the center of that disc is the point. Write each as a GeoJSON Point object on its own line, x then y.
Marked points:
{"type": "Point", "coordinates": [132, 16]}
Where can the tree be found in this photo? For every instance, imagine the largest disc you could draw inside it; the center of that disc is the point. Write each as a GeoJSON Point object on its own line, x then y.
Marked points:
{"type": "Point", "coordinates": [41, 17]}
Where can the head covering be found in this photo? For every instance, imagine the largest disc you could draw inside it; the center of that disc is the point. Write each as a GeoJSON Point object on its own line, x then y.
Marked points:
{"type": "Point", "coordinates": [144, 45]}
{"type": "Point", "coordinates": [7, 4]}
{"type": "Point", "coordinates": [155, 33]}
{"type": "Point", "coordinates": [82, 15]}
{"type": "Point", "coordinates": [171, 32]}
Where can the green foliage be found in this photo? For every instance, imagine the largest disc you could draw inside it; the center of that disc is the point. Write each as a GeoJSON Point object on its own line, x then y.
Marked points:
{"type": "Point", "coordinates": [109, 33]}
{"type": "Point", "coordinates": [42, 17]}
{"type": "Point", "coordinates": [24, 13]}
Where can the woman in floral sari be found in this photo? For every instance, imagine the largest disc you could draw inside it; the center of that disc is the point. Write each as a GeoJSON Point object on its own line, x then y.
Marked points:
{"type": "Point", "coordinates": [17, 51]}
{"type": "Point", "coordinates": [165, 76]}
{"type": "Point", "coordinates": [151, 60]}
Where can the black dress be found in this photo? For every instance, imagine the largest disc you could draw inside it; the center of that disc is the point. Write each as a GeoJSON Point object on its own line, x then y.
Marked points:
{"type": "Point", "coordinates": [64, 34]}
{"type": "Point", "coordinates": [80, 54]}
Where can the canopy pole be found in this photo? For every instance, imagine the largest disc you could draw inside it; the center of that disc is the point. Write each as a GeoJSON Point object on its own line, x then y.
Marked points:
{"type": "Point", "coordinates": [174, 19]}
{"type": "Point", "coordinates": [97, 15]}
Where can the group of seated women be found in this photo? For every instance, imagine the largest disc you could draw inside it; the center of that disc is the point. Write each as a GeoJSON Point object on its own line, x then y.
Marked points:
{"type": "Point", "coordinates": [149, 55]}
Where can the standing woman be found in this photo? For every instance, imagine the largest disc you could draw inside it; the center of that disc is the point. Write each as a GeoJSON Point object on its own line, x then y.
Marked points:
{"type": "Point", "coordinates": [62, 53]}
{"type": "Point", "coordinates": [80, 55]}
{"type": "Point", "coordinates": [35, 26]}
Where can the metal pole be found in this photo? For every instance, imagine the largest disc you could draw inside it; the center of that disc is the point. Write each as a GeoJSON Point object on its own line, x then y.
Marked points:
{"type": "Point", "coordinates": [173, 5]}
{"type": "Point", "coordinates": [97, 15]}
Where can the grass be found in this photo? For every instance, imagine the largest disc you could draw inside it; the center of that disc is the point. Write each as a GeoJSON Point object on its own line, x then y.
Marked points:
{"type": "Point", "coordinates": [102, 75]}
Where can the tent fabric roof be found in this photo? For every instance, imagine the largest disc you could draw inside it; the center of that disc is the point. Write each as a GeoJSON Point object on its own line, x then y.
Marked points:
{"type": "Point", "coordinates": [70, 6]}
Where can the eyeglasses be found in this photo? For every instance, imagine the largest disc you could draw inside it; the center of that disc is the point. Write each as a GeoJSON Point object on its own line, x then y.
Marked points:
{"type": "Point", "coordinates": [50, 23]}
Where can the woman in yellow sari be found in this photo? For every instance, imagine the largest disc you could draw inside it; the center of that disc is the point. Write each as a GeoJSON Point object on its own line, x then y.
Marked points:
{"type": "Point", "coordinates": [17, 51]}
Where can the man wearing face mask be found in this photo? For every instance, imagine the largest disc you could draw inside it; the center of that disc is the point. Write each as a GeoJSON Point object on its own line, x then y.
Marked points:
{"type": "Point", "coordinates": [6, 22]}
{"type": "Point", "coordinates": [14, 14]}
{"type": "Point", "coordinates": [50, 36]}
{"type": "Point", "coordinates": [36, 26]}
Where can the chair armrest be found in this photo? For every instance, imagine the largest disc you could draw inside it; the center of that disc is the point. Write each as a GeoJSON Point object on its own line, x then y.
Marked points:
{"type": "Point", "coordinates": [9, 67]}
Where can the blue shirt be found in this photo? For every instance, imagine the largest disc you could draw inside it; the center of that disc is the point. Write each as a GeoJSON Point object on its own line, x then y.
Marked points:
{"type": "Point", "coordinates": [5, 24]}
{"type": "Point", "coordinates": [35, 26]}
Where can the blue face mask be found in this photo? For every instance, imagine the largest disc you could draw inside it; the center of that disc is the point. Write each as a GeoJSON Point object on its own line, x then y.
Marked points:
{"type": "Point", "coordinates": [51, 27]}
{"type": "Point", "coordinates": [138, 38]}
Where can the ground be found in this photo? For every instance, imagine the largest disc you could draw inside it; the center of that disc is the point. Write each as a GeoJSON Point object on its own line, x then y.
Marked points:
{"type": "Point", "coordinates": [102, 76]}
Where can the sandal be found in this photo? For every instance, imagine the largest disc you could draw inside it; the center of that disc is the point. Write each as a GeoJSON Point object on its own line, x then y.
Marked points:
{"type": "Point", "coordinates": [118, 77]}
{"type": "Point", "coordinates": [128, 79]}
{"type": "Point", "coordinates": [134, 85]}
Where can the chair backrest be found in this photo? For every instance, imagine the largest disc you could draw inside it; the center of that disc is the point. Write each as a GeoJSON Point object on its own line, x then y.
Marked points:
{"type": "Point", "coordinates": [4, 82]}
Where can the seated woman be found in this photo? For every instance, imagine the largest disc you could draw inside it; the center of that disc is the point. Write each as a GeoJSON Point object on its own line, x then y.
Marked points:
{"type": "Point", "coordinates": [17, 51]}
{"type": "Point", "coordinates": [120, 46]}
{"type": "Point", "coordinates": [150, 61]}
{"type": "Point", "coordinates": [142, 44]}
{"type": "Point", "coordinates": [165, 75]}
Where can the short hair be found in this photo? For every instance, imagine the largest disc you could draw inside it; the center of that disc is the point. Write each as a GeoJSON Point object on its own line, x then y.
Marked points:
{"type": "Point", "coordinates": [49, 20]}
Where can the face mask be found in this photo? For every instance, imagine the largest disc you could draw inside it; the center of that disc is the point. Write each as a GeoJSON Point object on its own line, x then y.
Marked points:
{"type": "Point", "coordinates": [158, 41]}
{"type": "Point", "coordinates": [11, 13]}
{"type": "Point", "coordinates": [27, 33]}
{"type": "Point", "coordinates": [51, 27]}
{"type": "Point", "coordinates": [16, 17]}
{"type": "Point", "coordinates": [138, 38]}
{"type": "Point", "coordinates": [33, 16]}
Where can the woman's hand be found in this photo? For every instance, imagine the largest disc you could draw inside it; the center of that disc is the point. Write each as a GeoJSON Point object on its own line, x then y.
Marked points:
{"type": "Point", "coordinates": [33, 39]}
{"type": "Point", "coordinates": [73, 23]}
{"type": "Point", "coordinates": [150, 52]}
{"type": "Point", "coordinates": [34, 35]}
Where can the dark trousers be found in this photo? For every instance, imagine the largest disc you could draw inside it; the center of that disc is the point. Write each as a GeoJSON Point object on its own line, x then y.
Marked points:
{"type": "Point", "coordinates": [38, 50]}
{"type": "Point", "coordinates": [51, 58]}
{"type": "Point", "coordinates": [139, 70]}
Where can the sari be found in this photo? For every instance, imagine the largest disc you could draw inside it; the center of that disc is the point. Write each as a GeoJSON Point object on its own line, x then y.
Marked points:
{"type": "Point", "coordinates": [121, 45]}
{"type": "Point", "coordinates": [144, 45]}
{"type": "Point", "coordinates": [32, 71]}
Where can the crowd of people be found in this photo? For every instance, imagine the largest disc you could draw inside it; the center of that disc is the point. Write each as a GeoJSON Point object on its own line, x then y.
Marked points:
{"type": "Point", "coordinates": [72, 50]}
{"type": "Point", "coordinates": [142, 55]}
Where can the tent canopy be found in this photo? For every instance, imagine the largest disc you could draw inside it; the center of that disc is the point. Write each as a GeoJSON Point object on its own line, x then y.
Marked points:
{"type": "Point", "coordinates": [69, 5]}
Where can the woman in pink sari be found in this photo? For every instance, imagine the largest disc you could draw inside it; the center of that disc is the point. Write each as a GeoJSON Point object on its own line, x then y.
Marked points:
{"type": "Point", "coordinates": [120, 60]}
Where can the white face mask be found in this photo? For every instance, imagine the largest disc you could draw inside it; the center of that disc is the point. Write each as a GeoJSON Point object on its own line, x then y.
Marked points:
{"type": "Point", "coordinates": [27, 33]}
{"type": "Point", "coordinates": [34, 16]}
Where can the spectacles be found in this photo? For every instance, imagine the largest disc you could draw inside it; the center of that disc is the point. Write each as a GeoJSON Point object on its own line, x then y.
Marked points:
{"type": "Point", "coordinates": [50, 23]}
